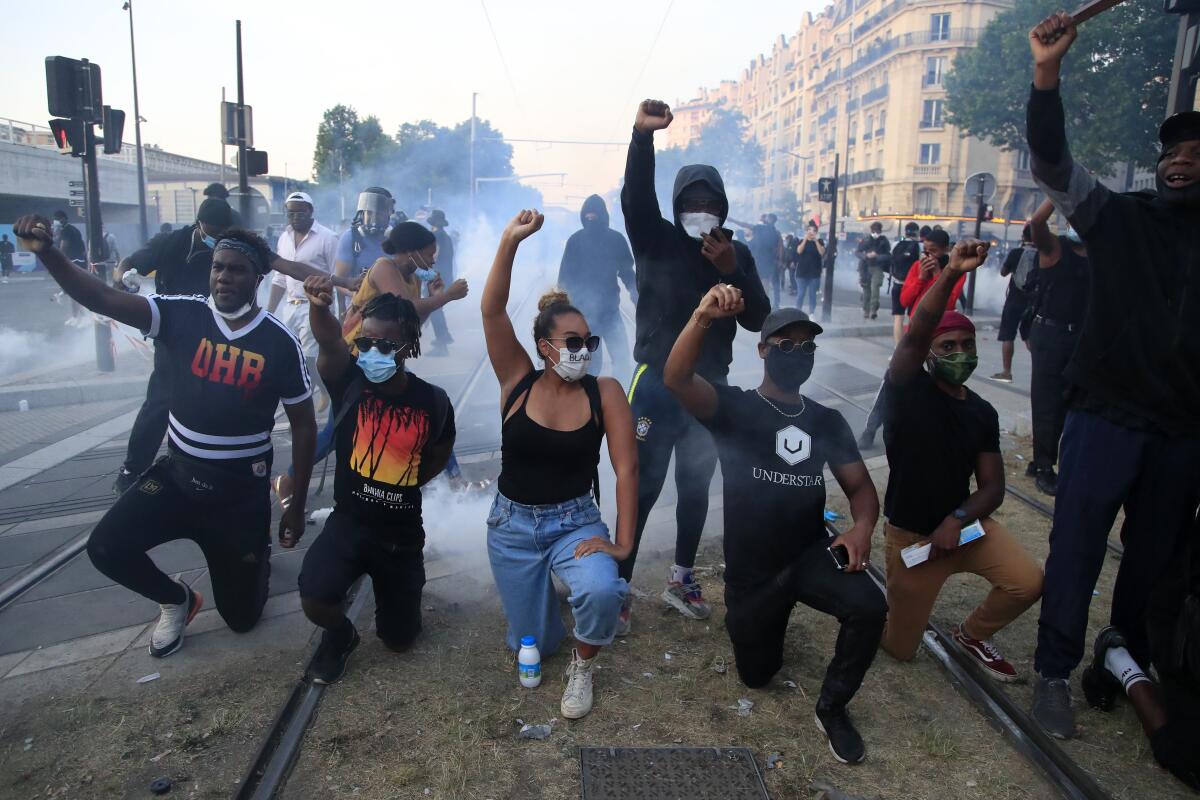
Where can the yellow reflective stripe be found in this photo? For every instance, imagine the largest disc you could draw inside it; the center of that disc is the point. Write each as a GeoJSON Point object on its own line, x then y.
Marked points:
{"type": "Point", "coordinates": [637, 376]}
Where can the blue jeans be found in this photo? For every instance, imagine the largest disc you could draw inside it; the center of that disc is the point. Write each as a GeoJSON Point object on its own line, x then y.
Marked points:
{"type": "Point", "coordinates": [527, 543]}
{"type": "Point", "coordinates": [808, 286]}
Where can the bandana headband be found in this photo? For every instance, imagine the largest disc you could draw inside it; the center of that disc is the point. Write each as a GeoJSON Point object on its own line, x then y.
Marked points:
{"type": "Point", "coordinates": [248, 251]}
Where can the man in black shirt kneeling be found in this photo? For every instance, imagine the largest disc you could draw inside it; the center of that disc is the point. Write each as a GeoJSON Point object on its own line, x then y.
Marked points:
{"type": "Point", "coordinates": [394, 433]}
{"type": "Point", "coordinates": [774, 444]}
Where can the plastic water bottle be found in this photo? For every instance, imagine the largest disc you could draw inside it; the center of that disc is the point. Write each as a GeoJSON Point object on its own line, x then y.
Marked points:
{"type": "Point", "coordinates": [529, 663]}
{"type": "Point", "coordinates": [23, 405]}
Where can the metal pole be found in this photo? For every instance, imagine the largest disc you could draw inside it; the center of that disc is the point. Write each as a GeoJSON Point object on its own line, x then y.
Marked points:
{"type": "Point", "coordinates": [243, 177]}
{"type": "Point", "coordinates": [137, 132]}
{"type": "Point", "coordinates": [471, 155]}
{"type": "Point", "coordinates": [222, 138]}
{"type": "Point", "coordinates": [979, 209]}
{"type": "Point", "coordinates": [831, 250]}
{"type": "Point", "coordinates": [97, 252]}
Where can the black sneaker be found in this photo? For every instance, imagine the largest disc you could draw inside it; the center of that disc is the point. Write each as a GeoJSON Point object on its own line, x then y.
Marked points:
{"type": "Point", "coordinates": [1101, 687]}
{"type": "Point", "coordinates": [125, 480]}
{"type": "Point", "coordinates": [1046, 481]}
{"type": "Point", "coordinates": [1031, 470]}
{"type": "Point", "coordinates": [844, 742]}
{"type": "Point", "coordinates": [329, 664]}
{"type": "Point", "coordinates": [866, 440]}
{"type": "Point", "coordinates": [1052, 707]}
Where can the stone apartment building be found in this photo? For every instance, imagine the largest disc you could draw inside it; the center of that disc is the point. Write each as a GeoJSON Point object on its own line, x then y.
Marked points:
{"type": "Point", "coordinates": [864, 80]}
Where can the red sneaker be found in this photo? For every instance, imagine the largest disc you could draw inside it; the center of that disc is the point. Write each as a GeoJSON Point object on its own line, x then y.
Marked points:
{"type": "Point", "coordinates": [986, 655]}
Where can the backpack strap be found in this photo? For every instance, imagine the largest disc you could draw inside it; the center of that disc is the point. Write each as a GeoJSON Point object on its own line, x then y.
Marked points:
{"type": "Point", "coordinates": [349, 398]}
{"type": "Point", "coordinates": [523, 386]}
{"type": "Point", "coordinates": [592, 387]}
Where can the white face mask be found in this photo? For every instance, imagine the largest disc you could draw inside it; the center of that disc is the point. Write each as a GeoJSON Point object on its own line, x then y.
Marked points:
{"type": "Point", "coordinates": [697, 222]}
{"type": "Point", "coordinates": [230, 315]}
{"type": "Point", "coordinates": [572, 366]}
{"type": "Point", "coordinates": [874, 235]}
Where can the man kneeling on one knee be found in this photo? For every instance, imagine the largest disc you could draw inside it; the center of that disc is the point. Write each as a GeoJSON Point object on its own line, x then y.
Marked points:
{"type": "Point", "coordinates": [938, 433]}
{"type": "Point", "coordinates": [774, 443]}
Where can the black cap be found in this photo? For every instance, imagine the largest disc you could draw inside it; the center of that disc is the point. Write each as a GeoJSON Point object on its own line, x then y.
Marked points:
{"type": "Point", "coordinates": [216, 212]}
{"type": "Point", "coordinates": [438, 218]}
{"type": "Point", "coordinates": [780, 318]}
{"type": "Point", "coordinates": [216, 190]}
{"type": "Point", "coordinates": [1181, 127]}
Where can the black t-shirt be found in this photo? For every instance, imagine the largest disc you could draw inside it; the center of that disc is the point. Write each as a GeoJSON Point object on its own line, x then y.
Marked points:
{"type": "Point", "coordinates": [382, 444]}
{"type": "Point", "coordinates": [904, 255]}
{"type": "Point", "coordinates": [808, 262]}
{"type": "Point", "coordinates": [1062, 290]}
{"type": "Point", "coordinates": [774, 483]}
{"type": "Point", "coordinates": [71, 243]}
{"type": "Point", "coordinates": [932, 442]}
{"type": "Point", "coordinates": [181, 263]}
{"type": "Point", "coordinates": [226, 385]}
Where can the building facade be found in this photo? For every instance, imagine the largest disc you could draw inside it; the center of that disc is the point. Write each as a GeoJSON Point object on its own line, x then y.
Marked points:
{"type": "Point", "coordinates": [863, 83]}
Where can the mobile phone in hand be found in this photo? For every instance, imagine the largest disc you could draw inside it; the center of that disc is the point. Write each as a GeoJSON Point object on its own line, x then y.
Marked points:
{"type": "Point", "coordinates": [840, 556]}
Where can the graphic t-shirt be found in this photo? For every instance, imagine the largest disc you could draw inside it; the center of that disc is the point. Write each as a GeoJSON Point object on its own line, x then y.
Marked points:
{"type": "Point", "coordinates": [225, 385]}
{"type": "Point", "coordinates": [381, 448]}
{"type": "Point", "coordinates": [933, 441]}
{"type": "Point", "coordinates": [774, 483]}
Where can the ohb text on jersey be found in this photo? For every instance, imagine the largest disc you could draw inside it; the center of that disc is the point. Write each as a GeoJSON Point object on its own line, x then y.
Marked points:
{"type": "Point", "coordinates": [232, 366]}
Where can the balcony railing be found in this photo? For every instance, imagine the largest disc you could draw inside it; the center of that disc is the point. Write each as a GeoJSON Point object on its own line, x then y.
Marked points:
{"type": "Point", "coordinates": [867, 136]}
{"type": "Point", "coordinates": [885, 13]}
{"type": "Point", "coordinates": [932, 124]}
{"type": "Point", "coordinates": [929, 171]}
{"type": "Point", "coordinates": [852, 106]}
{"type": "Point", "coordinates": [931, 80]}
{"type": "Point", "coordinates": [878, 132]}
{"type": "Point", "coordinates": [829, 115]}
{"type": "Point", "coordinates": [864, 176]}
{"type": "Point", "coordinates": [876, 94]}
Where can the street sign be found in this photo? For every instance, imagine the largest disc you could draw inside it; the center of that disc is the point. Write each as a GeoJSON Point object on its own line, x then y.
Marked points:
{"type": "Point", "coordinates": [76, 193]}
{"type": "Point", "coordinates": [825, 190]}
{"type": "Point", "coordinates": [229, 127]}
{"type": "Point", "coordinates": [75, 184]}
{"type": "Point", "coordinates": [981, 186]}
{"type": "Point", "coordinates": [75, 202]}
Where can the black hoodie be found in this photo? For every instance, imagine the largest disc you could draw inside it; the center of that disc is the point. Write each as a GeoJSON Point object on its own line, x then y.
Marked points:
{"type": "Point", "coordinates": [672, 275]}
{"type": "Point", "coordinates": [592, 261]}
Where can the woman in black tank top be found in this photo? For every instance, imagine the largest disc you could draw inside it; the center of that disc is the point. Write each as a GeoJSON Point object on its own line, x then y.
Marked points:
{"type": "Point", "coordinates": [544, 519]}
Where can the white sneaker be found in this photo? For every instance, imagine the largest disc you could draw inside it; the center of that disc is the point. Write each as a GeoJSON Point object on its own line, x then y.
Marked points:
{"type": "Point", "coordinates": [577, 698]}
{"type": "Point", "coordinates": [168, 633]}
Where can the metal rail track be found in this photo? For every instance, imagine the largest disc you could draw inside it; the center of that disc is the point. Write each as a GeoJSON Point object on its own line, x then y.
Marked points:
{"type": "Point", "coordinates": [276, 756]}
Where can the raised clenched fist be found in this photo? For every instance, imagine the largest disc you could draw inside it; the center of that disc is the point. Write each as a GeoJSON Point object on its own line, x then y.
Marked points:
{"type": "Point", "coordinates": [653, 115]}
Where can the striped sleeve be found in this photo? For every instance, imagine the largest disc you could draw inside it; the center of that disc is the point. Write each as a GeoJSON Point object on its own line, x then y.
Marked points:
{"type": "Point", "coordinates": [295, 383]}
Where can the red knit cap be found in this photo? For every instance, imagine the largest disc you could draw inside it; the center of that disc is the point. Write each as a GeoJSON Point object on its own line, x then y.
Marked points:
{"type": "Point", "coordinates": [954, 321]}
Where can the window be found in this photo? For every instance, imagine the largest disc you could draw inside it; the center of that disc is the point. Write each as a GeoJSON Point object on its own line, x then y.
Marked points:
{"type": "Point", "coordinates": [935, 67]}
{"type": "Point", "coordinates": [1022, 159]}
{"type": "Point", "coordinates": [925, 199]}
{"type": "Point", "coordinates": [939, 27]}
{"type": "Point", "coordinates": [931, 114]}
{"type": "Point", "coordinates": [931, 154]}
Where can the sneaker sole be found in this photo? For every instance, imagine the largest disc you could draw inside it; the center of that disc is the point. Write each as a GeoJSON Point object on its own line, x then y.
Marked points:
{"type": "Point", "coordinates": [568, 715]}
{"type": "Point", "coordinates": [178, 643]}
{"type": "Point", "coordinates": [322, 681]}
{"type": "Point", "coordinates": [682, 607]}
{"type": "Point", "coordinates": [829, 742]}
{"type": "Point", "coordinates": [999, 677]}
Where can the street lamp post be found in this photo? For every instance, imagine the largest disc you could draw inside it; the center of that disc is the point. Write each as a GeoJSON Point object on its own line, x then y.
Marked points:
{"type": "Point", "coordinates": [803, 178]}
{"type": "Point", "coordinates": [137, 131]}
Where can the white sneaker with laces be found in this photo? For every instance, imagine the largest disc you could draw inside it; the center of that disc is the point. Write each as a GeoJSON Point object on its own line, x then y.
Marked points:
{"type": "Point", "coordinates": [577, 698]}
{"type": "Point", "coordinates": [168, 633]}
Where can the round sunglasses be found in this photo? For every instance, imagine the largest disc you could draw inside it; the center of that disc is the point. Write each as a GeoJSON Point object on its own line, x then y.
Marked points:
{"type": "Point", "coordinates": [806, 346]}
{"type": "Point", "coordinates": [384, 346]}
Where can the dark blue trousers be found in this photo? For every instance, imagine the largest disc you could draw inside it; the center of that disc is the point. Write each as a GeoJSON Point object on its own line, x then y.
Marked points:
{"type": "Point", "coordinates": [1102, 468]}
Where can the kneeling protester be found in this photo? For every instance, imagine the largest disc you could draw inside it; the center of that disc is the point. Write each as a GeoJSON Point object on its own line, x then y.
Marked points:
{"type": "Point", "coordinates": [394, 434]}
{"type": "Point", "coordinates": [774, 444]}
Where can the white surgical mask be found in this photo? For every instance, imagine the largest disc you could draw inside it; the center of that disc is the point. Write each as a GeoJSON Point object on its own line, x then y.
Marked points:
{"type": "Point", "coordinates": [697, 222]}
{"type": "Point", "coordinates": [230, 315]}
{"type": "Point", "coordinates": [874, 235]}
{"type": "Point", "coordinates": [572, 366]}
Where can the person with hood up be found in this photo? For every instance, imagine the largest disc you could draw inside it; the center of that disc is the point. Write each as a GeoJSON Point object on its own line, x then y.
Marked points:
{"type": "Point", "coordinates": [677, 262]}
{"type": "Point", "coordinates": [1132, 434]}
{"type": "Point", "coordinates": [594, 258]}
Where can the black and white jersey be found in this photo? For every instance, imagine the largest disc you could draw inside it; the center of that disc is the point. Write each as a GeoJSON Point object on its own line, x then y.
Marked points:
{"type": "Point", "coordinates": [225, 385]}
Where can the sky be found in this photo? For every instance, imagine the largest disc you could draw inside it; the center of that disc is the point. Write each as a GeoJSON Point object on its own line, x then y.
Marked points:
{"type": "Point", "coordinates": [563, 70]}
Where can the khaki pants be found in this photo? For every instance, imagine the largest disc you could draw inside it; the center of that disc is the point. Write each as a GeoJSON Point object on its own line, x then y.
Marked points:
{"type": "Point", "coordinates": [998, 558]}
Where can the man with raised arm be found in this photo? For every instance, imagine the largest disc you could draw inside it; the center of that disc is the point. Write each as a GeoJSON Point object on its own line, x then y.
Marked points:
{"type": "Point", "coordinates": [1132, 433]}
{"type": "Point", "coordinates": [232, 364]}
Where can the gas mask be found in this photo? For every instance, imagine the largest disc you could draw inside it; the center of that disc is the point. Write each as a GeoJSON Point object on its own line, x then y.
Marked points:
{"type": "Point", "coordinates": [373, 212]}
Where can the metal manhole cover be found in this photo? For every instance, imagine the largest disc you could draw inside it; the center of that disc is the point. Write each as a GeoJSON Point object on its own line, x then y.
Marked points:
{"type": "Point", "coordinates": [670, 773]}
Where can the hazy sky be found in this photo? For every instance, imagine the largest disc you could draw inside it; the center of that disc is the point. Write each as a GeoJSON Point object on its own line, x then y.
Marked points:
{"type": "Point", "coordinates": [577, 69]}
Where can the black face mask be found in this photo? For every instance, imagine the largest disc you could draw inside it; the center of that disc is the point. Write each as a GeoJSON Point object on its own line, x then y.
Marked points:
{"type": "Point", "coordinates": [789, 371]}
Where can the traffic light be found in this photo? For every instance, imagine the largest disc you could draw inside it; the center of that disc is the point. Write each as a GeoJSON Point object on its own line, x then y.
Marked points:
{"type": "Point", "coordinates": [114, 126]}
{"type": "Point", "coordinates": [68, 135]}
{"type": "Point", "coordinates": [256, 162]}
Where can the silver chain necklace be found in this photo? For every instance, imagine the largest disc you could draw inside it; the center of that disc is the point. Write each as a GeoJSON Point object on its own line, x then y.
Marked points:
{"type": "Point", "coordinates": [777, 409]}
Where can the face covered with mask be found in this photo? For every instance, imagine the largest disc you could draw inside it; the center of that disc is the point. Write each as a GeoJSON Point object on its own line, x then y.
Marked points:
{"type": "Point", "coordinates": [952, 356]}
{"type": "Point", "coordinates": [373, 212]}
{"type": "Point", "coordinates": [569, 347]}
{"type": "Point", "coordinates": [700, 203]}
{"type": "Point", "coordinates": [382, 349]}
{"type": "Point", "coordinates": [421, 262]}
{"type": "Point", "coordinates": [789, 355]}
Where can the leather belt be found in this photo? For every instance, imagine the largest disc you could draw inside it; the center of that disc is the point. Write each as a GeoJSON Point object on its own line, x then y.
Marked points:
{"type": "Point", "coordinates": [1053, 323]}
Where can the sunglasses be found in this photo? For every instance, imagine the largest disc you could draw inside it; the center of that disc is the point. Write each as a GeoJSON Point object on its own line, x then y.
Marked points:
{"type": "Point", "coordinates": [299, 214]}
{"type": "Point", "coordinates": [807, 346]}
{"type": "Point", "coordinates": [384, 346]}
{"type": "Point", "coordinates": [577, 343]}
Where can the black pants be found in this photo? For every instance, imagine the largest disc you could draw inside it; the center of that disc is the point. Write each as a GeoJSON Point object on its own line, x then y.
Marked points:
{"type": "Point", "coordinates": [231, 524]}
{"type": "Point", "coordinates": [757, 620]}
{"type": "Point", "coordinates": [1050, 349]}
{"type": "Point", "coordinates": [662, 427]}
{"type": "Point", "coordinates": [347, 549]}
{"type": "Point", "coordinates": [151, 424]}
{"type": "Point", "coordinates": [1106, 466]}
{"type": "Point", "coordinates": [875, 416]}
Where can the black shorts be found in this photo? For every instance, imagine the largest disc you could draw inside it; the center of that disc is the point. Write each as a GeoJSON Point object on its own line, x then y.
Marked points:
{"type": "Point", "coordinates": [347, 549]}
{"type": "Point", "coordinates": [897, 308]}
{"type": "Point", "coordinates": [1013, 319]}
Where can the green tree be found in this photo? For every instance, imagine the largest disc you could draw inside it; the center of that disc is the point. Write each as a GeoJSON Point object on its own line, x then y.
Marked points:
{"type": "Point", "coordinates": [337, 147]}
{"type": "Point", "coordinates": [1115, 82]}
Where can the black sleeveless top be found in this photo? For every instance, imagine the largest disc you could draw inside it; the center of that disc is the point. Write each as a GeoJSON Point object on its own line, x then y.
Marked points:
{"type": "Point", "coordinates": [541, 466]}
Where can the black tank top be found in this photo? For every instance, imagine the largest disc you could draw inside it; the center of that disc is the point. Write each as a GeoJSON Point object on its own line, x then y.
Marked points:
{"type": "Point", "coordinates": [542, 466]}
